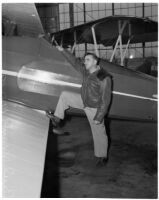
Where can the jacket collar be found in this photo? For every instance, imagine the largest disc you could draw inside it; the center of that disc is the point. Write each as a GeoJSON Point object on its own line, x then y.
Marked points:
{"type": "Point", "coordinates": [96, 71]}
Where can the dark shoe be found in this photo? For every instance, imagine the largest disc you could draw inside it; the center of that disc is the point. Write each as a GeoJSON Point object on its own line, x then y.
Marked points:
{"type": "Point", "coordinates": [101, 161]}
{"type": "Point", "coordinates": [60, 132]}
{"type": "Point", "coordinates": [55, 120]}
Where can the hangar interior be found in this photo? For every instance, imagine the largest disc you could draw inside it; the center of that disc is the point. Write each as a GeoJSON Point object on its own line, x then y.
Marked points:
{"type": "Point", "coordinates": [56, 17]}
{"type": "Point", "coordinates": [38, 162]}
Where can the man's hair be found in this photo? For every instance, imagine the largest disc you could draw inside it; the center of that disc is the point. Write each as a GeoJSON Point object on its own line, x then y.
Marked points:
{"type": "Point", "coordinates": [93, 55]}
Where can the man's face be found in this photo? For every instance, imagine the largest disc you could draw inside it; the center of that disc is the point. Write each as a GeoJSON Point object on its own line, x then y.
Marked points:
{"type": "Point", "coordinates": [89, 62]}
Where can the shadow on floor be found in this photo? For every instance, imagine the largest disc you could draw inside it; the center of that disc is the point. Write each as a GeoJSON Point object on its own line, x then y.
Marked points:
{"type": "Point", "coordinates": [51, 185]}
{"type": "Point", "coordinates": [130, 173]}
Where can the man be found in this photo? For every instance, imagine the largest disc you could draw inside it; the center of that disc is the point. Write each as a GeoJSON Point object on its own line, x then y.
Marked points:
{"type": "Point", "coordinates": [94, 100]}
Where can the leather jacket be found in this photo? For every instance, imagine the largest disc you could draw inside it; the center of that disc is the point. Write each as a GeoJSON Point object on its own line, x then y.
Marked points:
{"type": "Point", "coordinates": [96, 87]}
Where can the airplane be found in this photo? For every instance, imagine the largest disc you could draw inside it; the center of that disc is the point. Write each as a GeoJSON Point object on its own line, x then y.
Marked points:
{"type": "Point", "coordinates": [34, 75]}
{"type": "Point", "coordinates": [134, 93]}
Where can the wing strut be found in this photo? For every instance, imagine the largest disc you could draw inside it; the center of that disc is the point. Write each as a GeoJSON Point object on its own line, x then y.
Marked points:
{"type": "Point", "coordinates": [75, 42]}
{"type": "Point", "coordinates": [95, 41]}
{"type": "Point", "coordinates": [121, 28]}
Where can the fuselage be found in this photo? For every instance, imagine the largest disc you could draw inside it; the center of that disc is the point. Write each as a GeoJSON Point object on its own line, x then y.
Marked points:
{"type": "Point", "coordinates": [35, 74]}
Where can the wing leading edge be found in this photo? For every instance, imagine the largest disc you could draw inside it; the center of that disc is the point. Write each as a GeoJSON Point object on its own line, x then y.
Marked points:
{"type": "Point", "coordinates": [25, 133]}
{"type": "Point", "coordinates": [107, 30]}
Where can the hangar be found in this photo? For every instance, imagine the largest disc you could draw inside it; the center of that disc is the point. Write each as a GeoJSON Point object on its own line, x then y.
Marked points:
{"type": "Point", "coordinates": [40, 160]}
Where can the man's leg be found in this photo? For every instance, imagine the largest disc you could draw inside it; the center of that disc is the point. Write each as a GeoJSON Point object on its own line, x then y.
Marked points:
{"type": "Point", "coordinates": [67, 100]}
{"type": "Point", "coordinates": [99, 134]}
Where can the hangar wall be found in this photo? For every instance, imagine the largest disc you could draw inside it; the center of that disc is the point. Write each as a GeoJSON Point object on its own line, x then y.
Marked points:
{"type": "Point", "coordinates": [85, 12]}
{"type": "Point", "coordinates": [49, 15]}
{"type": "Point", "coordinates": [59, 16]}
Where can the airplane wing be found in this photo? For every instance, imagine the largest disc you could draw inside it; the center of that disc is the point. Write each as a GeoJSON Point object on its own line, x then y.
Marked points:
{"type": "Point", "coordinates": [33, 73]}
{"type": "Point", "coordinates": [25, 133]}
{"type": "Point", "coordinates": [107, 31]}
{"type": "Point", "coordinates": [25, 130]}
{"type": "Point", "coordinates": [21, 19]}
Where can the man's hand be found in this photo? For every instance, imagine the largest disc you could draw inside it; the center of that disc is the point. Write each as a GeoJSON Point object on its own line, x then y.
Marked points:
{"type": "Point", "coordinates": [59, 48]}
{"type": "Point", "coordinates": [96, 122]}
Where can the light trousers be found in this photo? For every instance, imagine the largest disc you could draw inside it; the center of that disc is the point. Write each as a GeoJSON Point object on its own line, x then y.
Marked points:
{"type": "Point", "coordinates": [100, 139]}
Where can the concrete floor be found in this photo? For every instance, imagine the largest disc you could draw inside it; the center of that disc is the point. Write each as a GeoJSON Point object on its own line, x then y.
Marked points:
{"type": "Point", "coordinates": [131, 171]}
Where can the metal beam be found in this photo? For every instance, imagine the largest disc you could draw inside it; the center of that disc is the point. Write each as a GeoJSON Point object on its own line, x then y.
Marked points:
{"type": "Point", "coordinates": [111, 59]}
{"type": "Point", "coordinates": [61, 43]}
{"type": "Point", "coordinates": [143, 15]}
{"type": "Point", "coordinates": [75, 42]}
{"type": "Point", "coordinates": [121, 27]}
{"type": "Point", "coordinates": [121, 50]}
{"type": "Point", "coordinates": [71, 13]}
{"type": "Point", "coordinates": [95, 41]}
{"type": "Point", "coordinates": [126, 49]}
{"type": "Point", "coordinates": [113, 13]}
{"type": "Point", "coordinates": [84, 14]}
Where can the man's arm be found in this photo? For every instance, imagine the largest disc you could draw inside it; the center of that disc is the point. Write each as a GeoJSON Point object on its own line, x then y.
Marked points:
{"type": "Point", "coordinates": [105, 100]}
{"type": "Point", "coordinates": [76, 63]}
